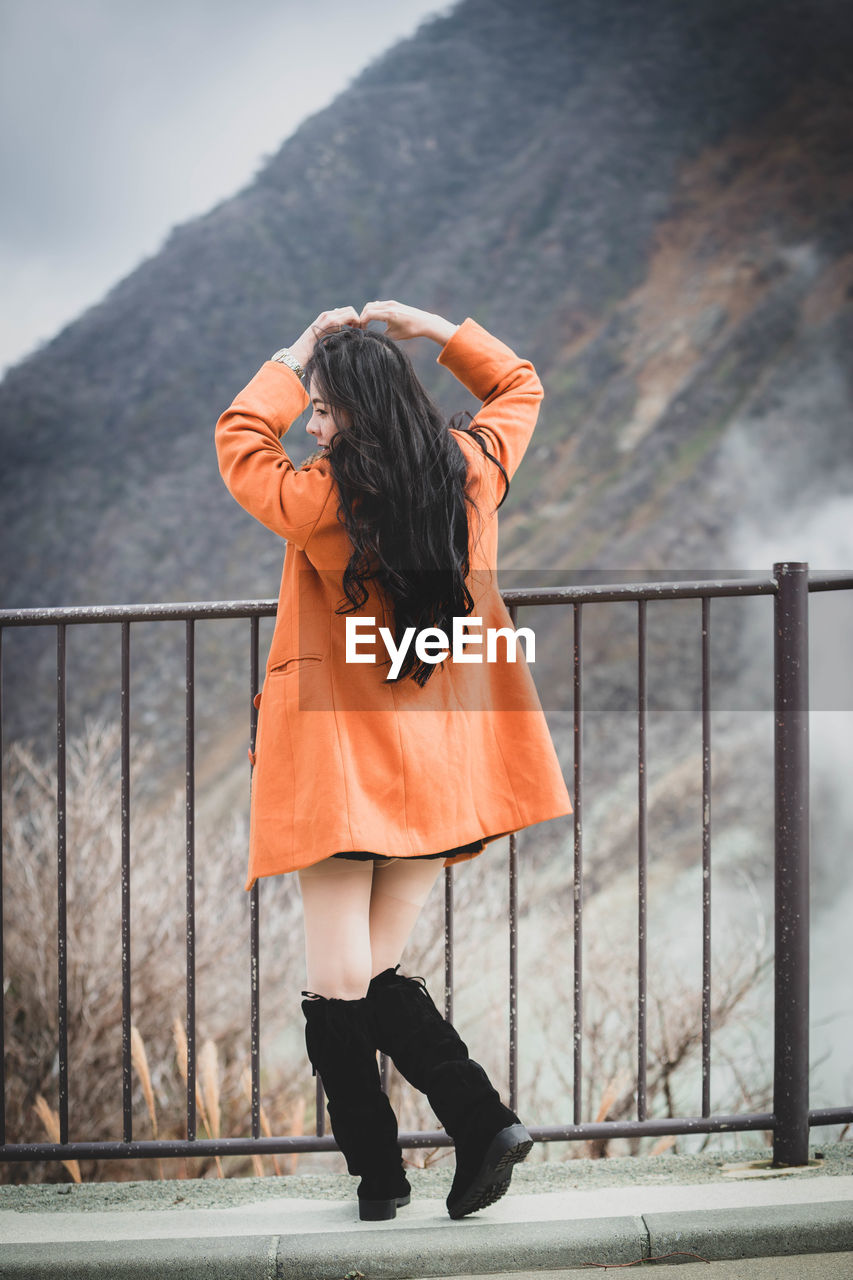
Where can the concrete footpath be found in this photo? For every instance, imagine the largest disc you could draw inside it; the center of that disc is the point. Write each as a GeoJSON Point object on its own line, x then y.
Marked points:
{"type": "Point", "coordinates": [556, 1216]}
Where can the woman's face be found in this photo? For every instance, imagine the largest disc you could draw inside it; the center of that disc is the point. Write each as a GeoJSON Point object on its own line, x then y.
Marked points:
{"type": "Point", "coordinates": [321, 425]}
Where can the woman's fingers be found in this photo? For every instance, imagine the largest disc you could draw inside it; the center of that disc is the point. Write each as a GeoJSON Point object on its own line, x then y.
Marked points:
{"type": "Point", "coordinates": [337, 318]}
{"type": "Point", "coordinates": [331, 321]}
{"type": "Point", "coordinates": [402, 321]}
{"type": "Point", "coordinates": [377, 311]}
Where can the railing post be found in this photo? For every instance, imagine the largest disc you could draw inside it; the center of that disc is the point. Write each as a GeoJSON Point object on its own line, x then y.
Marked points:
{"type": "Point", "coordinates": [791, 770]}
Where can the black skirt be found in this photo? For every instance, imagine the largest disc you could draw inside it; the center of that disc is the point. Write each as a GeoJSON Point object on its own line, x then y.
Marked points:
{"type": "Point", "coordinates": [362, 855]}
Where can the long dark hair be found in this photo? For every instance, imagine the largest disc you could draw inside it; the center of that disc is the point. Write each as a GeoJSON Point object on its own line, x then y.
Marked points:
{"type": "Point", "coordinates": [401, 480]}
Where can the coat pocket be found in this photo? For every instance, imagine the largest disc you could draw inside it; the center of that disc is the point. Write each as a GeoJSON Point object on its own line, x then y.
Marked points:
{"type": "Point", "coordinates": [298, 663]}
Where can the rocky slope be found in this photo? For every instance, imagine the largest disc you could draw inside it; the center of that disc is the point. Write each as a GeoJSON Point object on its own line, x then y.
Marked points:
{"type": "Point", "coordinates": [652, 201]}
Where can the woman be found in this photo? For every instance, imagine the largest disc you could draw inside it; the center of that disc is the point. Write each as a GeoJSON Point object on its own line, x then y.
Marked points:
{"type": "Point", "coordinates": [374, 767]}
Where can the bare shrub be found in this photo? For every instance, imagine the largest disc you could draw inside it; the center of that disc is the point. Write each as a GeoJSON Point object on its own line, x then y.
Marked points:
{"type": "Point", "coordinates": [158, 964]}
{"type": "Point", "coordinates": [742, 1066]}
{"type": "Point", "coordinates": [740, 998]}
{"type": "Point", "coordinates": [223, 978]}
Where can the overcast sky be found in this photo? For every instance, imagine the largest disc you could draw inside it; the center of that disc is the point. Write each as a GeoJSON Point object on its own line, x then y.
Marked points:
{"type": "Point", "coordinates": [121, 118]}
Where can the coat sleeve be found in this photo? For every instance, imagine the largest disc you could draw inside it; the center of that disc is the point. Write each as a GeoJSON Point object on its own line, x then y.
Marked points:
{"type": "Point", "coordinates": [508, 386]}
{"type": "Point", "coordinates": [252, 461]}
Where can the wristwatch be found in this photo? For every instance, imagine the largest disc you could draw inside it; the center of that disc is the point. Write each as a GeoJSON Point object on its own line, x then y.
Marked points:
{"type": "Point", "coordinates": [284, 356]}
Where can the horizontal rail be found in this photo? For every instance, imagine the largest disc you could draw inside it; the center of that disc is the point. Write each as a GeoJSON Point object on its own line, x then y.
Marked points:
{"type": "Point", "coordinates": [165, 1148]}
{"type": "Point", "coordinates": [789, 1120]}
{"type": "Point", "coordinates": [206, 1147]}
{"type": "Point", "coordinates": [179, 611]}
{"type": "Point", "coordinates": [831, 1115]}
{"type": "Point", "coordinates": [830, 581]}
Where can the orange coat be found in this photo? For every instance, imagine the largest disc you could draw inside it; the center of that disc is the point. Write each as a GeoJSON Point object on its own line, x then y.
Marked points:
{"type": "Point", "coordinates": [345, 760]}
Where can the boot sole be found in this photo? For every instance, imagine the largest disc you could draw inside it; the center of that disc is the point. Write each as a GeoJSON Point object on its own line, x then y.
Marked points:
{"type": "Point", "coordinates": [508, 1148]}
{"type": "Point", "coordinates": [381, 1210]}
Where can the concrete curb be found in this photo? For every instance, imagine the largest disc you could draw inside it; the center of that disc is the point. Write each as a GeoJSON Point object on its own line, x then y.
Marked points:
{"type": "Point", "coordinates": [469, 1247]}
{"type": "Point", "coordinates": [474, 1248]}
{"type": "Point", "coordinates": [222, 1258]}
{"type": "Point", "coordinates": [757, 1232]}
{"type": "Point", "coordinates": [380, 1253]}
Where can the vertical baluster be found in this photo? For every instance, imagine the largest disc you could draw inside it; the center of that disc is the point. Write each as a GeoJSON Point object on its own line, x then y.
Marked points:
{"type": "Point", "coordinates": [791, 770]}
{"type": "Point", "coordinates": [254, 903]}
{"type": "Point", "coordinates": [577, 1029]}
{"type": "Point", "coordinates": [254, 1038]}
{"type": "Point", "coordinates": [513, 970]}
{"type": "Point", "coordinates": [190, 873]}
{"type": "Point", "coordinates": [448, 943]}
{"type": "Point", "coordinates": [513, 949]}
{"type": "Point", "coordinates": [61, 922]}
{"type": "Point", "coordinates": [126, 1075]}
{"type": "Point", "coordinates": [2, 944]}
{"type": "Point", "coordinates": [706, 855]}
{"type": "Point", "coordinates": [641, 861]}
{"type": "Point", "coordinates": [320, 1109]}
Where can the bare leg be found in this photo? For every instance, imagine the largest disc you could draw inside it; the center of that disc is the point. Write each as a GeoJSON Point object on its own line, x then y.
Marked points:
{"type": "Point", "coordinates": [400, 889]}
{"type": "Point", "coordinates": [336, 912]}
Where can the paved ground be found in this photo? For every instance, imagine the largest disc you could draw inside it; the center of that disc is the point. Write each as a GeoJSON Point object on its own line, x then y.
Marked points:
{"type": "Point", "coordinates": [574, 1214]}
{"type": "Point", "coordinates": [803, 1266]}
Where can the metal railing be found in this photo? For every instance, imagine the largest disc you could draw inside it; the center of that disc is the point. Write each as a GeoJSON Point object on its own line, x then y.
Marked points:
{"type": "Point", "coordinates": [790, 1120]}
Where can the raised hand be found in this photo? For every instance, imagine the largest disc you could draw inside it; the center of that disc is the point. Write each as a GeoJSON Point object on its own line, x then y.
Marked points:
{"type": "Point", "coordinates": [326, 322]}
{"type": "Point", "coordinates": [405, 322]}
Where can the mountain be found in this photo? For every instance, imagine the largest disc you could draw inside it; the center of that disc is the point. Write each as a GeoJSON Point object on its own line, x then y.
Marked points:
{"type": "Point", "coordinates": [653, 200]}
{"type": "Point", "coordinates": [650, 200]}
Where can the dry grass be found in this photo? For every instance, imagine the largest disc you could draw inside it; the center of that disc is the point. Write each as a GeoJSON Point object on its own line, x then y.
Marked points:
{"type": "Point", "coordinates": [50, 1121]}
{"type": "Point", "coordinates": [296, 1128]}
{"type": "Point", "coordinates": [206, 1082]}
{"type": "Point", "coordinates": [139, 1058]}
{"type": "Point", "coordinates": [158, 1044]}
{"type": "Point", "coordinates": [157, 965]}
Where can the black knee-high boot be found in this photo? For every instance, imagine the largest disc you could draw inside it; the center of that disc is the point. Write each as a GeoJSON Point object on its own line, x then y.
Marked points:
{"type": "Point", "coordinates": [428, 1051]}
{"type": "Point", "coordinates": [340, 1047]}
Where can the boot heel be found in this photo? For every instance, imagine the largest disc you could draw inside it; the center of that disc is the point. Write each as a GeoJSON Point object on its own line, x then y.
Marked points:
{"type": "Point", "coordinates": [381, 1210]}
{"type": "Point", "coordinates": [508, 1147]}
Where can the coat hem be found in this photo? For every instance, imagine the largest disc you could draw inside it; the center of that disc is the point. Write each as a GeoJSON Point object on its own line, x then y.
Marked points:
{"type": "Point", "coordinates": [448, 862]}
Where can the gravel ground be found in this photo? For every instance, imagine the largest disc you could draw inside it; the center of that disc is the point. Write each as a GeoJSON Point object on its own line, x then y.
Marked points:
{"type": "Point", "coordinates": [569, 1175]}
